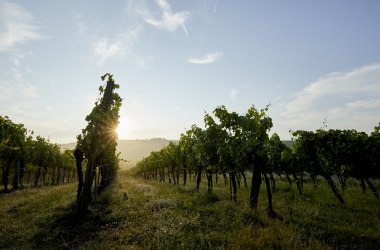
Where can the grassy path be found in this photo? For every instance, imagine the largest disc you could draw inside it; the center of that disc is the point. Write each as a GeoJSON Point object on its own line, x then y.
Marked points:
{"type": "Point", "coordinates": [137, 214]}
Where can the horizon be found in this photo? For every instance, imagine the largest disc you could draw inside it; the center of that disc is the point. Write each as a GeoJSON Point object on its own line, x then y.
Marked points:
{"type": "Point", "coordinates": [315, 63]}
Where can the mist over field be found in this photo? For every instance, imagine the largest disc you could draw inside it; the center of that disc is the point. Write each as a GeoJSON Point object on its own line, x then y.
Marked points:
{"type": "Point", "coordinates": [132, 150]}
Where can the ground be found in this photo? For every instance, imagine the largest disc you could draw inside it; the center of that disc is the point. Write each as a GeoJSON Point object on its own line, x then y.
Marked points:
{"type": "Point", "coordinates": [140, 214]}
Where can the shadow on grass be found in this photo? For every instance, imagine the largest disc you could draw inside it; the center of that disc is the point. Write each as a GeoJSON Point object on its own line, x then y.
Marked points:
{"type": "Point", "coordinates": [30, 187]}
{"type": "Point", "coordinates": [68, 230]}
{"type": "Point", "coordinates": [5, 191]}
{"type": "Point", "coordinates": [340, 239]}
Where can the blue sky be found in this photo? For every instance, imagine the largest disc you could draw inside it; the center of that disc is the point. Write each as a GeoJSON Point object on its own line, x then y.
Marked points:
{"type": "Point", "coordinates": [176, 59]}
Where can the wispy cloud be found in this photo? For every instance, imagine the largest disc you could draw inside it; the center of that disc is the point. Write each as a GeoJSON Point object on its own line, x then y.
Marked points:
{"type": "Point", "coordinates": [362, 82]}
{"type": "Point", "coordinates": [13, 84]}
{"type": "Point", "coordinates": [209, 58]}
{"type": "Point", "coordinates": [144, 61]}
{"type": "Point", "coordinates": [105, 48]}
{"type": "Point", "coordinates": [136, 16]}
{"type": "Point", "coordinates": [347, 99]}
{"type": "Point", "coordinates": [17, 26]}
{"type": "Point", "coordinates": [80, 23]}
{"type": "Point", "coordinates": [168, 20]}
{"type": "Point", "coordinates": [367, 104]}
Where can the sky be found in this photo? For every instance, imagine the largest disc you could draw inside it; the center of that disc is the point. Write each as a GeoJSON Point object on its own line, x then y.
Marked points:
{"type": "Point", "coordinates": [312, 61]}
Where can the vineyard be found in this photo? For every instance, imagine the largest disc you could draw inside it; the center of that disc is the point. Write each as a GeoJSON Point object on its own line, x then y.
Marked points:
{"type": "Point", "coordinates": [238, 145]}
{"type": "Point", "coordinates": [32, 161]}
{"type": "Point", "coordinates": [204, 191]}
{"type": "Point", "coordinates": [37, 158]}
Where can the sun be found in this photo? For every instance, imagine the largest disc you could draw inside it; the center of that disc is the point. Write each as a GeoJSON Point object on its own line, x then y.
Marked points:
{"type": "Point", "coordinates": [118, 131]}
{"type": "Point", "coordinates": [124, 128]}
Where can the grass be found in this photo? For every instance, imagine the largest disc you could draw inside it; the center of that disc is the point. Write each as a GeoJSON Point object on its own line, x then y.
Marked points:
{"type": "Point", "coordinates": [139, 214]}
{"type": "Point", "coordinates": [25, 212]}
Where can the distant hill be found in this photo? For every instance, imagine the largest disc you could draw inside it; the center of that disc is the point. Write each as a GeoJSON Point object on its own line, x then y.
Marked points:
{"type": "Point", "coordinates": [70, 146]}
{"type": "Point", "coordinates": [132, 150]}
{"type": "Point", "coordinates": [135, 150]}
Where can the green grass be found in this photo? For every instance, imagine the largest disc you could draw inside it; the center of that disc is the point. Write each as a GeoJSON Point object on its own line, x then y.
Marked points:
{"type": "Point", "coordinates": [24, 213]}
{"type": "Point", "coordinates": [139, 214]}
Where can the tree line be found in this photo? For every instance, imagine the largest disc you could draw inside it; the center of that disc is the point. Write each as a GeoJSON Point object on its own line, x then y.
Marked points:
{"type": "Point", "coordinates": [232, 145]}
{"type": "Point", "coordinates": [27, 160]}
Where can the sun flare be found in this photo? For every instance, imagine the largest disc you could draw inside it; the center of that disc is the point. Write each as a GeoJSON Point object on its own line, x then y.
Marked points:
{"type": "Point", "coordinates": [124, 128]}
